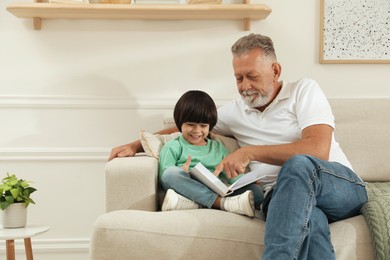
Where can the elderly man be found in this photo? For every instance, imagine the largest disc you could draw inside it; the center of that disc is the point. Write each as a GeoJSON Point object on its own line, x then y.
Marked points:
{"type": "Point", "coordinates": [285, 129]}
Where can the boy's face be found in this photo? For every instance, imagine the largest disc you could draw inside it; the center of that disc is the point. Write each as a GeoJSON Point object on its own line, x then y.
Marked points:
{"type": "Point", "coordinates": [195, 133]}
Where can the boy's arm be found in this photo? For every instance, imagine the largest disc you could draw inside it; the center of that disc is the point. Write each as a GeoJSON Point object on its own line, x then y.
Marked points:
{"type": "Point", "coordinates": [135, 147]}
{"type": "Point", "coordinates": [169, 155]}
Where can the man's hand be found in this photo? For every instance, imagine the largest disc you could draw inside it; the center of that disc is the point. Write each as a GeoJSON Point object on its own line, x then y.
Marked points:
{"type": "Point", "coordinates": [234, 164]}
{"type": "Point", "coordinates": [125, 150]}
{"type": "Point", "coordinates": [131, 149]}
{"type": "Point", "coordinates": [186, 166]}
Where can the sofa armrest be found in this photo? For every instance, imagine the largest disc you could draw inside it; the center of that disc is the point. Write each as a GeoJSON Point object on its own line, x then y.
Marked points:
{"type": "Point", "coordinates": [131, 183]}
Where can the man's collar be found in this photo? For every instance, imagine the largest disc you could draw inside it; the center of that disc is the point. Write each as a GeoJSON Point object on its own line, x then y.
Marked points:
{"type": "Point", "coordinates": [284, 92]}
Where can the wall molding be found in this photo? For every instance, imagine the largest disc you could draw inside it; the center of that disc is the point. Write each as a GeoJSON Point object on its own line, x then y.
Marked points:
{"type": "Point", "coordinates": [89, 102]}
{"type": "Point", "coordinates": [51, 245]}
{"type": "Point", "coordinates": [55, 153]}
{"type": "Point", "coordinates": [77, 102]}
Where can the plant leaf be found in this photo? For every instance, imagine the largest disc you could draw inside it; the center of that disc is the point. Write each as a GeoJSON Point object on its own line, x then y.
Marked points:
{"type": "Point", "coordinates": [27, 191]}
{"type": "Point", "coordinates": [15, 193]}
{"type": "Point", "coordinates": [4, 205]}
{"type": "Point", "coordinates": [9, 199]}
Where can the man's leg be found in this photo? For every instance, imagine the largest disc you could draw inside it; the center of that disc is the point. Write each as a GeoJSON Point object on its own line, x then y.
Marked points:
{"type": "Point", "coordinates": [305, 182]}
{"type": "Point", "coordinates": [319, 245]}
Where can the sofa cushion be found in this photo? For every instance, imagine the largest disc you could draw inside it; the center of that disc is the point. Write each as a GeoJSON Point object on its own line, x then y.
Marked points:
{"type": "Point", "coordinates": [362, 131]}
{"type": "Point", "coordinates": [231, 144]}
{"type": "Point", "coordinates": [205, 234]}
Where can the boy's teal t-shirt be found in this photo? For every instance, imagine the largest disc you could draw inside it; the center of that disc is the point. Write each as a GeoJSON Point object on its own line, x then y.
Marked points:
{"type": "Point", "coordinates": [175, 153]}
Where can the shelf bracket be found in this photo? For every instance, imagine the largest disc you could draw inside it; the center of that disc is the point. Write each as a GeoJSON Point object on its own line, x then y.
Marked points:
{"type": "Point", "coordinates": [37, 21]}
{"type": "Point", "coordinates": [247, 21]}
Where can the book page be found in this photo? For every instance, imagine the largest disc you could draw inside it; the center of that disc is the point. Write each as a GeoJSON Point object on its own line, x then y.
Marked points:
{"type": "Point", "coordinates": [250, 177]}
{"type": "Point", "coordinates": [202, 174]}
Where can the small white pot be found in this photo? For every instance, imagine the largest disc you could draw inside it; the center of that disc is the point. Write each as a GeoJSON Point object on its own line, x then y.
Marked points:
{"type": "Point", "coordinates": [15, 216]}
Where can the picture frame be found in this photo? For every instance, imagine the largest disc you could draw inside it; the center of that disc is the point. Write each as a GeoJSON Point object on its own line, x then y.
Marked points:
{"type": "Point", "coordinates": [355, 31]}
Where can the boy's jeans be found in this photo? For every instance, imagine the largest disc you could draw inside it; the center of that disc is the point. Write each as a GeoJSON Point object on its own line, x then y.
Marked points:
{"type": "Point", "coordinates": [310, 193]}
{"type": "Point", "coordinates": [180, 181]}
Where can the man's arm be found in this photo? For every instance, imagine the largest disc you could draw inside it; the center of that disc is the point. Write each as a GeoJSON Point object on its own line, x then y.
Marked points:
{"type": "Point", "coordinates": [316, 141]}
{"type": "Point", "coordinates": [132, 148]}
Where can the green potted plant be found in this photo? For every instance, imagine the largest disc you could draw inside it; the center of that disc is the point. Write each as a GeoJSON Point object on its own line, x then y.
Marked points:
{"type": "Point", "coordinates": [14, 200]}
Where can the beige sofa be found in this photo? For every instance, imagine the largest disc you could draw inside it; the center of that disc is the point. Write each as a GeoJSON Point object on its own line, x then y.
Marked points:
{"type": "Point", "coordinates": [133, 228]}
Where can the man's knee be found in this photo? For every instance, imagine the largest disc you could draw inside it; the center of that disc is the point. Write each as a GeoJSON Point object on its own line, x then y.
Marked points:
{"type": "Point", "coordinates": [297, 161]}
{"type": "Point", "coordinates": [298, 165]}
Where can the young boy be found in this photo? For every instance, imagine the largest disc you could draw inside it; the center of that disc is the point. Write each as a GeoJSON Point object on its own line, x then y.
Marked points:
{"type": "Point", "coordinates": [195, 116]}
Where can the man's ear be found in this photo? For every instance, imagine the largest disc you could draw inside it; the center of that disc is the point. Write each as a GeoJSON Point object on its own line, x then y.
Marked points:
{"type": "Point", "coordinates": [277, 70]}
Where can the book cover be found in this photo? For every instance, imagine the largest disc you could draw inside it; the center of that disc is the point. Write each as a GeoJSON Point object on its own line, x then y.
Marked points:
{"type": "Point", "coordinates": [203, 175]}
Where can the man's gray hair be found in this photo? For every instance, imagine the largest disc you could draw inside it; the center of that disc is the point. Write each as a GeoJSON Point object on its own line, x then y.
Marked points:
{"type": "Point", "coordinates": [254, 41]}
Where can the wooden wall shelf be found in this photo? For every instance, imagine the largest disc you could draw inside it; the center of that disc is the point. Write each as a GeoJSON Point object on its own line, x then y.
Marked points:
{"type": "Point", "coordinates": [38, 11]}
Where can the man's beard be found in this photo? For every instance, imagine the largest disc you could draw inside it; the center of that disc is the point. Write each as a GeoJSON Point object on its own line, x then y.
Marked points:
{"type": "Point", "coordinates": [255, 99]}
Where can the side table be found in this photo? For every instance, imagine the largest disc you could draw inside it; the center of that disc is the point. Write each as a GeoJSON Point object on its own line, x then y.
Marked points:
{"type": "Point", "coordinates": [10, 234]}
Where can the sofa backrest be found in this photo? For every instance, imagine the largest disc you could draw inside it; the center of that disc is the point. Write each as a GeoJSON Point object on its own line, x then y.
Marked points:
{"type": "Point", "coordinates": [362, 130]}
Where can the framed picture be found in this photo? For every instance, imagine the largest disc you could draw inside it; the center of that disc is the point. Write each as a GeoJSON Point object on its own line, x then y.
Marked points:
{"type": "Point", "coordinates": [355, 31]}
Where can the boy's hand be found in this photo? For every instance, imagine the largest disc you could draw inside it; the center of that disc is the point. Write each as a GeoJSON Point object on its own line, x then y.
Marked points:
{"type": "Point", "coordinates": [186, 166]}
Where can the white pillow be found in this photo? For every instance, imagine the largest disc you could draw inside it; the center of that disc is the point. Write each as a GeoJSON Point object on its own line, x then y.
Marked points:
{"type": "Point", "coordinates": [152, 143]}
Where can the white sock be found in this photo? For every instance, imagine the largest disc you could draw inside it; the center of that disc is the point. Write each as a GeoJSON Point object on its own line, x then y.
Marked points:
{"type": "Point", "coordinates": [222, 204]}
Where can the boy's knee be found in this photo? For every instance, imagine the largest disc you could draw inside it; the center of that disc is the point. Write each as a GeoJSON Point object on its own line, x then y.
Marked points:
{"type": "Point", "coordinates": [171, 174]}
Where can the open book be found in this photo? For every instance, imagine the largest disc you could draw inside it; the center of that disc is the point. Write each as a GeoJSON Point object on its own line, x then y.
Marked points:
{"type": "Point", "coordinates": [203, 175]}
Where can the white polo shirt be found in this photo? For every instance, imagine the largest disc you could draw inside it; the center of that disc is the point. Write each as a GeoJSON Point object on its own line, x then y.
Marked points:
{"type": "Point", "coordinates": [298, 105]}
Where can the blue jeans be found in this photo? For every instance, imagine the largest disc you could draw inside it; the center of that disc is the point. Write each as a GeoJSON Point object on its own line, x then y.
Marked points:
{"type": "Point", "coordinates": [177, 179]}
{"type": "Point", "coordinates": [308, 195]}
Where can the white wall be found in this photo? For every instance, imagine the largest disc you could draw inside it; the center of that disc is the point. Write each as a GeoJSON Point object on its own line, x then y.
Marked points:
{"type": "Point", "coordinates": [73, 90]}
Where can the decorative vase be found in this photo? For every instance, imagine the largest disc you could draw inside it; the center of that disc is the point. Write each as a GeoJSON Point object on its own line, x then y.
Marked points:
{"type": "Point", "coordinates": [15, 216]}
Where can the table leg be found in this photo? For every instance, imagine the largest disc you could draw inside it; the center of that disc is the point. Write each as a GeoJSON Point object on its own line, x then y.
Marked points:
{"type": "Point", "coordinates": [28, 248]}
{"type": "Point", "coordinates": [10, 249]}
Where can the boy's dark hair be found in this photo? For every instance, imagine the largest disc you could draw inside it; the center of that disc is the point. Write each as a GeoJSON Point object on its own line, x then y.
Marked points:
{"type": "Point", "coordinates": [195, 106]}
